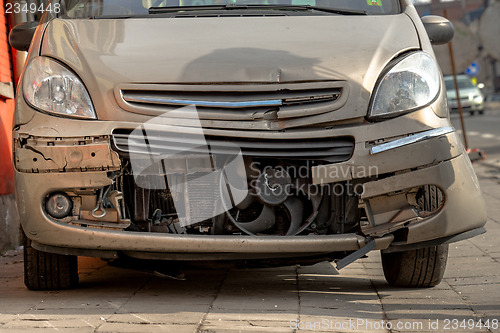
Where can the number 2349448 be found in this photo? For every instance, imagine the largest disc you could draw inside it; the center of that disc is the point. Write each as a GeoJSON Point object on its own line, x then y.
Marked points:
{"type": "Point", "coordinates": [17, 8]}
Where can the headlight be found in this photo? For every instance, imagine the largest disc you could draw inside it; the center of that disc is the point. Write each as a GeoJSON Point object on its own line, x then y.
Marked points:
{"type": "Point", "coordinates": [51, 87]}
{"type": "Point", "coordinates": [411, 83]}
{"type": "Point", "coordinates": [477, 98]}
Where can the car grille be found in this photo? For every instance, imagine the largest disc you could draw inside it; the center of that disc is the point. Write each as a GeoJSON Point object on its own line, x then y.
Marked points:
{"type": "Point", "coordinates": [336, 149]}
{"type": "Point", "coordinates": [235, 102]}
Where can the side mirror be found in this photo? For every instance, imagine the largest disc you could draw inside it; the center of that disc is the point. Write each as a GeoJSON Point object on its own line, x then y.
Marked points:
{"type": "Point", "coordinates": [439, 29]}
{"type": "Point", "coordinates": [21, 35]}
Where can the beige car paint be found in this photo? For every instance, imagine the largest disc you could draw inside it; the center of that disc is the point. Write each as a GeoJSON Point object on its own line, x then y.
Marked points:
{"type": "Point", "coordinates": [289, 50]}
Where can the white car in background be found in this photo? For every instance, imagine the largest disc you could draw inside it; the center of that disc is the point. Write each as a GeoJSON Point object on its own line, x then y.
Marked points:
{"type": "Point", "coordinates": [471, 97]}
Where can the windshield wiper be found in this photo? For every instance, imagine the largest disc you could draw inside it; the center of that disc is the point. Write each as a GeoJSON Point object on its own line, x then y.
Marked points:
{"type": "Point", "coordinates": [160, 10]}
{"type": "Point", "coordinates": [322, 9]}
{"type": "Point", "coordinates": [171, 9]}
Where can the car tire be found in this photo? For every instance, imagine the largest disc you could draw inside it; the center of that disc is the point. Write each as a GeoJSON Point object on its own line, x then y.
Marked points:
{"type": "Point", "coordinates": [481, 111]}
{"type": "Point", "coordinates": [472, 113]}
{"type": "Point", "coordinates": [48, 271]}
{"type": "Point", "coordinates": [420, 268]}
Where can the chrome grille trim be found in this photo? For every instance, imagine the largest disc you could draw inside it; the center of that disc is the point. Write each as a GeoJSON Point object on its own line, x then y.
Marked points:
{"type": "Point", "coordinates": [414, 138]}
{"type": "Point", "coordinates": [185, 102]}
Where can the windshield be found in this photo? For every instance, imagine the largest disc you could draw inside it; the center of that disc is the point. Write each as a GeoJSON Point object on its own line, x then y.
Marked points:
{"type": "Point", "coordinates": [102, 8]}
{"type": "Point", "coordinates": [463, 83]}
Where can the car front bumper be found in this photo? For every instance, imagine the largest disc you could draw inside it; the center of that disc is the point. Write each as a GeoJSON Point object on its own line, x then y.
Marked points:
{"type": "Point", "coordinates": [467, 106]}
{"type": "Point", "coordinates": [386, 160]}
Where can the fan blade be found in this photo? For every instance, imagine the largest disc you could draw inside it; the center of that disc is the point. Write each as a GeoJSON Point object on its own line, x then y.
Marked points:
{"type": "Point", "coordinates": [265, 221]}
{"type": "Point", "coordinates": [245, 203]}
{"type": "Point", "coordinates": [235, 196]}
{"type": "Point", "coordinates": [296, 209]}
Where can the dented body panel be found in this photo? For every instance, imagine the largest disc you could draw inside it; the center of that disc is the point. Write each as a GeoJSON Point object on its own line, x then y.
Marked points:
{"type": "Point", "coordinates": [321, 85]}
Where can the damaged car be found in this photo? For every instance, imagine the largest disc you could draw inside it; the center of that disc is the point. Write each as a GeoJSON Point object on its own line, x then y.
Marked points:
{"type": "Point", "coordinates": [259, 132]}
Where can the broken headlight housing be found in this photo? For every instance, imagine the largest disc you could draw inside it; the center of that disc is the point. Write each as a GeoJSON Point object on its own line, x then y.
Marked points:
{"type": "Point", "coordinates": [51, 87]}
{"type": "Point", "coordinates": [411, 83]}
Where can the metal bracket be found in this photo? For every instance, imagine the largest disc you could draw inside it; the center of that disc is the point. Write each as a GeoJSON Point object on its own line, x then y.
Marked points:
{"type": "Point", "coordinates": [355, 255]}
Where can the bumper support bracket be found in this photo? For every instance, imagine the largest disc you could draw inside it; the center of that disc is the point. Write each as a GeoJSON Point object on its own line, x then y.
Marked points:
{"type": "Point", "coordinates": [356, 255]}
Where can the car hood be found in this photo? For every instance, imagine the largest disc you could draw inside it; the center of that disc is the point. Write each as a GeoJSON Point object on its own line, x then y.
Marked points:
{"type": "Point", "coordinates": [106, 53]}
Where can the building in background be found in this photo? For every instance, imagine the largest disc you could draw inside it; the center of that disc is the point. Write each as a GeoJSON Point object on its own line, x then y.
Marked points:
{"type": "Point", "coordinates": [9, 223]}
{"type": "Point", "coordinates": [457, 9]}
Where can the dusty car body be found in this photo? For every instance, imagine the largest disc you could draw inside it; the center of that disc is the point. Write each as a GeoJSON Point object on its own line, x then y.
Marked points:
{"type": "Point", "coordinates": [471, 97]}
{"type": "Point", "coordinates": [202, 138]}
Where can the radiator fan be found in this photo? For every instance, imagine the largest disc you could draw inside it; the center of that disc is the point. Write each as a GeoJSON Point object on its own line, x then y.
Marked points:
{"type": "Point", "coordinates": [268, 207]}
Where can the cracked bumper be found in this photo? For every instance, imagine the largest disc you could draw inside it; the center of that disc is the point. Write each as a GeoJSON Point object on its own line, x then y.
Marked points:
{"type": "Point", "coordinates": [71, 158]}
